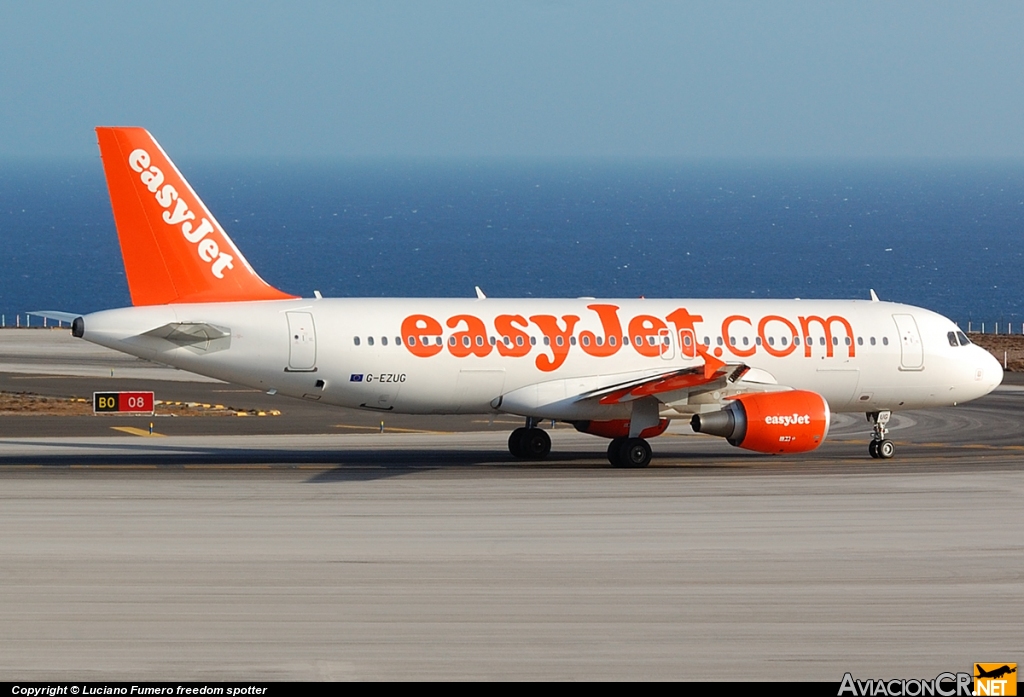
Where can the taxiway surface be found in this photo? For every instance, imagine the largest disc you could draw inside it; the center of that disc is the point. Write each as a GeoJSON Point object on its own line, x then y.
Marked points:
{"type": "Point", "coordinates": [316, 551]}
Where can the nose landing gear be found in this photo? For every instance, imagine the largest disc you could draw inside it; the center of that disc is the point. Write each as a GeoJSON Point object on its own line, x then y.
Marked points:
{"type": "Point", "coordinates": [880, 447]}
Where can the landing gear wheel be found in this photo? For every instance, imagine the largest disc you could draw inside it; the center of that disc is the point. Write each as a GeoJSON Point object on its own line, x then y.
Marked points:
{"type": "Point", "coordinates": [632, 453]}
{"type": "Point", "coordinates": [515, 442]}
{"type": "Point", "coordinates": [613, 451]}
{"type": "Point", "coordinates": [880, 447]}
{"type": "Point", "coordinates": [535, 444]}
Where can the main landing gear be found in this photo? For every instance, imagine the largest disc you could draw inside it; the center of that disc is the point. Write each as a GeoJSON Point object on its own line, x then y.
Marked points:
{"type": "Point", "coordinates": [629, 452]}
{"type": "Point", "coordinates": [529, 443]}
{"type": "Point", "coordinates": [880, 447]}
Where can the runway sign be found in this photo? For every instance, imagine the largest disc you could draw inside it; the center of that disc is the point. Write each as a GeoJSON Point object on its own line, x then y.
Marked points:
{"type": "Point", "coordinates": [122, 402]}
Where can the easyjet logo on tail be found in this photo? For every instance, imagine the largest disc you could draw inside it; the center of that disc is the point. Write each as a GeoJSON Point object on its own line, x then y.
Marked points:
{"type": "Point", "coordinates": [178, 213]}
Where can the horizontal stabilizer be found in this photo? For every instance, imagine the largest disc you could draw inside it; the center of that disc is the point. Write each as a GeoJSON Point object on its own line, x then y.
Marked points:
{"type": "Point", "coordinates": [57, 315]}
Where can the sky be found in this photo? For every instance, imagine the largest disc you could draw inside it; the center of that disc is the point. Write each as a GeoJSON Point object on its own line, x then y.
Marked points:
{"type": "Point", "coordinates": [536, 79]}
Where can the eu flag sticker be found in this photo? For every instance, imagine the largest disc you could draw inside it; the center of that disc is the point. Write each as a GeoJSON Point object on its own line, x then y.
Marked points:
{"type": "Point", "coordinates": [356, 377]}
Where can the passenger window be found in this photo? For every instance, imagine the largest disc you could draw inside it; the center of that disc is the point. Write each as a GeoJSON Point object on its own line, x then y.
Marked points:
{"type": "Point", "coordinates": [771, 341]}
{"type": "Point", "coordinates": [559, 341]}
{"type": "Point", "coordinates": [519, 340]}
{"type": "Point", "coordinates": [479, 341]}
{"type": "Point", "coordinates": [383, 341]}
{"type": "Point", "coordinates": [822, 341]}
{"type": "Point", "coordinates": [796, 341]}
{"type": "Point", "coordinates": [783, 340]}
{"type": "Point", "coordinates": [493, 341]}
{"type": "Point", "coordinates": [951, 338]}
{"type": "Point", "coordinates": [746, 341]}
{"type": "Point", "coordinates": [438, 341]}
{"type": "Point", "coordinates": [707, 341]}
{"type": "Point", "coordinates": [872, 341]}
{"type": "Point", "coordinates": [611, 341]}
{"type": "Point", "coordinates": [355, 340]}
{"type": "Point", "coordinates": [718, 340]}
{"type": "Point", "coordinates": [757, 341]}
{"type": "Point", "coordinates": [547, 341]}
{"type": "Point", "coordinates": [398, 341]}
{"type": "Point", "coordinates": [686, 340]}
{"type": "Point", "coordinates": [847, 340]}
{"type": "Point", "coordinates": [860, 341]}
{"type": "Point", "coordinates": [835, 341]}
{"type": "Point", "coordinates": [572, 340]}
{"type": "Point", "coordinates": [533, 341]}
{"type": "Point", "coordinates": [585, 341]}
{"type": "Point", "coordinates": [598, 340]}
{"type": "Point", "coordinates": [885, 341]}
{"type": "Point", "coordinates": [732, 341]}
{"type": "Point", "coordinates": [369, 341]}
{"type": "Point", "coordinates": [451, 341]}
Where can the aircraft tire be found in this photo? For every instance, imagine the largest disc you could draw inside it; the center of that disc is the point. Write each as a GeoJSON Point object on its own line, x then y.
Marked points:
{"type": "Point", "coordinates": [536, 444]}
{"type": "Point", "coordinates": [613, 451]}
{"type": "Point", "coordinates": [886, 449]}
{"type": "Point", "coordinates": [873, 449]}
{"type": "Point", "coordinates": [515, 442]}
{"type": "Point", "coordinates": [634, 453]}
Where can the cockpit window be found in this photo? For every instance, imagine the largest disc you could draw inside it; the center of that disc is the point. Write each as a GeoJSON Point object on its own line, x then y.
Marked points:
{"type": "Point", "coordinates": [951, 336]}
{"type": "Point", "coordinates": [963, 338]}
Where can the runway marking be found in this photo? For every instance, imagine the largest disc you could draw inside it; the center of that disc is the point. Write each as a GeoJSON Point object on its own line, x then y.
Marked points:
{"type": "Point", "coordinates": [392, 429]}
{"type": "Point", "coordinates": [137, 431]}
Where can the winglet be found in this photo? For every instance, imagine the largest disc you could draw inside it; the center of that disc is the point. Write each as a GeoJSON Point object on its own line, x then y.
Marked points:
{"type": "Point", "coordinates": [174, 250]}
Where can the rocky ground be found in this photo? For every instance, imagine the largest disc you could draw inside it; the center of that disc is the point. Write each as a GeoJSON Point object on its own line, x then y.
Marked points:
{"type": "Point", "coordinates": [998, 344]}
{"type": "Point", "coordinates": [26, 404]}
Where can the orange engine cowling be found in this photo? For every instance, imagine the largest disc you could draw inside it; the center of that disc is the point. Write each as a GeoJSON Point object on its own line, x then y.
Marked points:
{"type": "Point", "coordinates": [770, 422]}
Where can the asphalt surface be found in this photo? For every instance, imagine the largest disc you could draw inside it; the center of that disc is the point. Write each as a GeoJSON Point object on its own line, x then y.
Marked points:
{"type": "Point", "coordinates": [327, 550]}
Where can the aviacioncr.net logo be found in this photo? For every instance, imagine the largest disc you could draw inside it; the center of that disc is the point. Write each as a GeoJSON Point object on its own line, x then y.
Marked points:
{"type": "Point", "coordinates": [943, 685]}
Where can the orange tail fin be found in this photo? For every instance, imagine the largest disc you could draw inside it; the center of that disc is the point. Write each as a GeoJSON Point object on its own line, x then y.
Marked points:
{"type": "Point", "coordinates": [174, 250]}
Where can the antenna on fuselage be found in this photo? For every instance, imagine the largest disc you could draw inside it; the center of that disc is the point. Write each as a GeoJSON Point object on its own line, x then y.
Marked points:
{"type": "Point", "coordinates": [874, 297]}
{"type": "Point", "coordinates": [479, 293]}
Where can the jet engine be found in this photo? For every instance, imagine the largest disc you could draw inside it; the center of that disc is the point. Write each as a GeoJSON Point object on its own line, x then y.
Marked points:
{"type": "Point", "coordinates": [769, 422]}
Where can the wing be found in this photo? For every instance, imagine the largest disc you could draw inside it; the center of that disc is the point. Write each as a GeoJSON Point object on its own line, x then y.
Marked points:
{"type": "Point", "coordinates": [670, 381]}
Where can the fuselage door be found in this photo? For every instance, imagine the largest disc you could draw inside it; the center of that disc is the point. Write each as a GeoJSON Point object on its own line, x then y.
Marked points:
{"type": "Point", "coordinates": [301, 342]}
{"type": "Point", "coordinates": [911, 348]}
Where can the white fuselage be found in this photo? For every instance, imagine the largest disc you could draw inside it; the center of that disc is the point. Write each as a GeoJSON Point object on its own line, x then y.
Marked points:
{"type": "Point", "coordinates": [488, 354]}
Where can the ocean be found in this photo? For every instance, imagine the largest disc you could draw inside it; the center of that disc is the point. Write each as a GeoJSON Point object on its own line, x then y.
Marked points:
{"type": "Point", "coordinates": [942, 235]}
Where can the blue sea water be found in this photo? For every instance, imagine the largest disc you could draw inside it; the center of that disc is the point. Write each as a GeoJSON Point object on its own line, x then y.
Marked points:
{"type": "Point", "coordinates": [947, 235]}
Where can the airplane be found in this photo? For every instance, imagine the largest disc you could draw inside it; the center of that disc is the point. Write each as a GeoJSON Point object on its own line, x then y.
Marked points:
{"type": "Point", "coordinates": [766, 375]}
{"type": "Point", "coordinates": [995, 673]}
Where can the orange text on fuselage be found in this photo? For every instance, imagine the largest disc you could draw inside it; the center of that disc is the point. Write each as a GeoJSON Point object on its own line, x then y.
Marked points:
{"type": "Point", "coordinates": [648, 335]}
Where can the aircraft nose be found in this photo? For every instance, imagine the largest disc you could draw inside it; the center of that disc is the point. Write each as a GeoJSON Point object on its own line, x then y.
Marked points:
{"type": "Point", "coordinates": [988, 371]}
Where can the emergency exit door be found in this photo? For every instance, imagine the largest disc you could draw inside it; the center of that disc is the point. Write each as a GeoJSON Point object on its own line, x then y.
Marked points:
{"type": "Point", "coordinates": [301, 342]}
